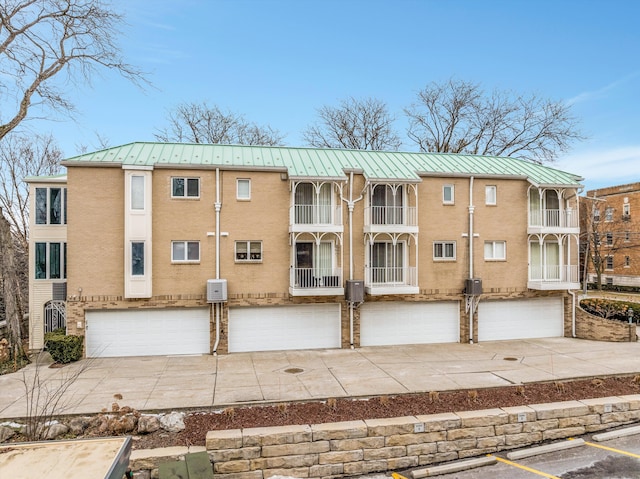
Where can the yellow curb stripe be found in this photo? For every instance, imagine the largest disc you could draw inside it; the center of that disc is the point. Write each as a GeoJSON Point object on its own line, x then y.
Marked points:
{"type": "Point", "coordinates": [395, 475]}
{"type": "Point", "coordinates": [525, 468]}
{"type": "Point", "coordinates": [637, 456]}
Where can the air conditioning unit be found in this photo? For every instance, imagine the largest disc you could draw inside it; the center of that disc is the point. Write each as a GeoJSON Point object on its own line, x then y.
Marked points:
{"type": "Point", "coordinates": [216, 290]}
{"type": "Point", "coordinates": [473, 286]}
{"type": "Point", "coordinates": [354, 292]}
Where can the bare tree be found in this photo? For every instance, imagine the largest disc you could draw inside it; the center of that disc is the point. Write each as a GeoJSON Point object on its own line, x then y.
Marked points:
{"type": "Point", "coordinates": [10, 288]}
{"type": "Point", "coordinates": [201, 123]}
{"type": "Point", "coordinates": [41, 40]}
{"type": "Point", "coordinates": [605, 239]}
{"type": "Point", "coordinates": [458, 117]}
{"type": "Point", "coordinates": [21, 157]}
{"type": "Point", "coordinates": [356, 124]}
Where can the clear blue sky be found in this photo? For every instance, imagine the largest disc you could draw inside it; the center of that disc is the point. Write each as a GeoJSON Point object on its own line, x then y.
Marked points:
{"type": "Point", "coordinates": [277, 61]}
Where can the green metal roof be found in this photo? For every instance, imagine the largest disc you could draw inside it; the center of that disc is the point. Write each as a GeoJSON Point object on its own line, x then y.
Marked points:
{"type": "Point", "coordinates": [323, 163]}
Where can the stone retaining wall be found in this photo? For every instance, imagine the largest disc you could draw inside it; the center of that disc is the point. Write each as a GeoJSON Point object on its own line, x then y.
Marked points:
{"type": "Point", "coordinates": [361, 447]}
{"type": "Point", "coordinates": [589, 326]}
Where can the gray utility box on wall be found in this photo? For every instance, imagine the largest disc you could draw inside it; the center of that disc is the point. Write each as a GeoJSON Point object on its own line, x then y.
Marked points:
{"type": "Point", "coordinates": [216, 290]}
{"type": "Point", "coordinates": [473, 286]}
{"type": "Point", "coordinates": [354, 292]}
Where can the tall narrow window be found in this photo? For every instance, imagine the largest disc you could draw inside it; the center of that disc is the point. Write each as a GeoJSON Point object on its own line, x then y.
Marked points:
{"type": "Point", "coordinates": [41, 206]}
{"type": "Point", "coordinates": [137, 259]}
{"type": "Point", "coordinates": [55, 206]}
{"type": "Point", "coordinates": [609, 263]}
{"type": "Point", "coordinates": [608, 214]}
{"type": "Point", "coordinates": [448, 197]}
{"type": "Point", "coordinates": [54, 261]}
{"type": "Point", "coordinates": [41, 261]}
{"type": "Point", "coordinates": [137, 192]}
{"type": "Point", "coordinates": [627, 261]}
{"type": "Point", "coordinates": [490, 194]}
{"type": "Point", "coordinates": [64, 205]}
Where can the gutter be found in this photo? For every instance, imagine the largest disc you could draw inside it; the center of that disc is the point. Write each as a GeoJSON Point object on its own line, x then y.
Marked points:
{"type": "Point", "coordinates": [217, 306]}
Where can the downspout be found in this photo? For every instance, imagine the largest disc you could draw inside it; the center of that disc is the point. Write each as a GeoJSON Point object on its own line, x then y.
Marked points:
{"type": "Point", "coordinates": [573, 313]}
{"type": "Point", "coordinates": [471, 208]}
{"type": "Point", "coordinates": [350, 205]}
{"type": "Point", "coordinates": [218, 306]}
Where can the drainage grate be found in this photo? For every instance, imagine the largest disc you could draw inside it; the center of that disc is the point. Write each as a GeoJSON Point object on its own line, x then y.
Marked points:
{"type": "Point", "coordinates": [294, 370]}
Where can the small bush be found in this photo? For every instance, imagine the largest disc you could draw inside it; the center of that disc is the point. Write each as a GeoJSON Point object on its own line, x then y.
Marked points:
{"type": "Point", "coordinates": [609, 309]}
{"type": "Point", "coordinates": [64, 349]}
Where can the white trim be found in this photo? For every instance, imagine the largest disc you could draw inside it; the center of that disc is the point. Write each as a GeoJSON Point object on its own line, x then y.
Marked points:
{"type": "Point", "coordinates": [493, 249]}
{"type": "Point", "coordinates": [186, 252]}
{"type": "Point", "coordinates": [452, 201]}
{"type": "Point", "coordinates": [491, 199]}
{"type": "Point", "coordinates": [243, 198]}
{"type": "Point", "coordinates": [186, 180]}
{"type": "Point", "coordinates": [443, 257]}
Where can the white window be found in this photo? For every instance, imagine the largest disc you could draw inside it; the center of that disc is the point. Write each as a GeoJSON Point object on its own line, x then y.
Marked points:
{"type": "Point", "coordinates": [608, 214]}
{"type": "Point", "coordinates": [609, 239]}
{"type": "Point", "coordinates": [137, 192]}
{"type": "Point", "coordinates": [490, 194]}
{"type": "Point", "coordinates": [448, 195]}
{"type": "Point", "coordinates": [626, 210]}
{"type": "Point", "coordinates": [185, 251]}
{"type": "Point", "coordinates": [185, 187]}
{"type": "Point", "coordinates": [609, 263]}
{"type": "Point", "coordinates": [243, 189]}
{"type": "Point", "coordinates": [248, 251]}
{"type": "Point", "coordinates": [495, 250]}
{"type": "Point", "coordinates": [444, 250]}
{"type": "Point", "coordinates": [596, 215]}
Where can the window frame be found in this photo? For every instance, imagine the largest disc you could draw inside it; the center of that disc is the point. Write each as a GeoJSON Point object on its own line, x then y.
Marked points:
{"type": "Point", "coordinates": [608, 213]}
{"type": "Point", "coordinates": [238, 182]}
{"type": "Point", "coordinates": [608, 263]}
{"type": "Point", "coordinates": [43, 206]}
{"type": "Point", "coordinates": [443, 245]}
{"type": "Point", "coordinates": [248, 251]}
{"type": "Point", "coordinates": [185, 187]}
{"type": "Point", "coordinates": [491, 199]}
{"type": "Point", "coordinates": [493, 249]}
{"type": "Point", "coordinates": [137, 193]}
{"type": "Point", "coordinates": [44, 255]}
{"type": "Point", "coordinates": [596, 215]}
{"type": "Point", "coordinates": [186, 259]}
{"type": "Point", "coordinates": [609, 238]}
{"type": "Point", "coordinates": [627, 261]}
{"type": "Point", "coordinates": [451, 201]}
{"type": "Point", "coordinates": [134, 256]}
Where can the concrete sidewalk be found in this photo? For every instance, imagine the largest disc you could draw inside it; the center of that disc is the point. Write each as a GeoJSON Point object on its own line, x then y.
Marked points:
{"type": "Point", "coordinates": [178, 382]}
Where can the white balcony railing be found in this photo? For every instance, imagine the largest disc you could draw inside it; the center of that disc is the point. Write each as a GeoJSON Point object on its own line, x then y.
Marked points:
{"type": "Point", "coordinates": [391, 276]}
{"type": "Point", "coordinates": [391, 215]}
{"type": "Point", "coordinates": [316, 215]}
{"type": "Point", "coordinates": [554, 218]}
{"type": "Point", "coordinates": [554, 273]}
{"type": "Point", "coordinates": [313, 278]}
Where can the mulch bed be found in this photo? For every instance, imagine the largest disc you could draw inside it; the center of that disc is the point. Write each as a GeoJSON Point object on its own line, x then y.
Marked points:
{"type": "Point", "coordinates": [334, 410]}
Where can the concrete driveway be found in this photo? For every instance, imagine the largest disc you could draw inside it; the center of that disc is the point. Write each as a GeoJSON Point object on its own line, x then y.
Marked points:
{"type": "Point", "coordinates": [179, 382]}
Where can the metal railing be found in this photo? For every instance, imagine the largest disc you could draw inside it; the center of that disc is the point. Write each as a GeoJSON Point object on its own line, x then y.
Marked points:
{"type": "Point", "coordinates": [391, 276]}
{"type": "Point", "coordinates": [554, 273]}
{"type": "Point", "coordinates": [316, 277]}
{"type": "Point", "coordinates": [554, 218]}
{"type": "Point", "coordinates": [316, 215]}
{"type": "Point", "coordinates": [391, 215]}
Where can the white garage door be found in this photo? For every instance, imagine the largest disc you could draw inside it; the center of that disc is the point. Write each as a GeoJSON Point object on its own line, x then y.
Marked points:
{"type": "Point", "coordinates": [394, 322]}
{"type": "Point", "coordinates": [277, 328]}
{"type": "Point", "coordinates": [520, 319]}
{"type": "Point", "coordinates": [156, 332]}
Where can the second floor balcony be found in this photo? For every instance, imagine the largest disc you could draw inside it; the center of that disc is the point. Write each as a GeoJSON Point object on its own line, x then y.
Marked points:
{"type": "Point", "coordinates": [314, 217]}
{"type": "Point", "coordinates": [553, 221]}
{"type": "Point", "coordinates": [402, 219]}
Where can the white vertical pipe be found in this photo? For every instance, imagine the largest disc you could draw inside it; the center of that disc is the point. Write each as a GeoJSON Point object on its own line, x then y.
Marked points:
{"type": "Point", "coordinates": [471, 208]}
{"type": "Point", "coordinates": [218, 306]}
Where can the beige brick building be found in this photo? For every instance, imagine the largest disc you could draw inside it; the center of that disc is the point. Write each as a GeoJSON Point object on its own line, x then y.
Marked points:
{"type": "Point", "coordinates": [611, 223]}
{"type": "Point", "coordinates": [183, 249]}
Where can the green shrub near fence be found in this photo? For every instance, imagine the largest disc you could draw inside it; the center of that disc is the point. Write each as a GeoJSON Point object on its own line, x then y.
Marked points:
{"type": "Point", "coordinates": [64, 349]}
